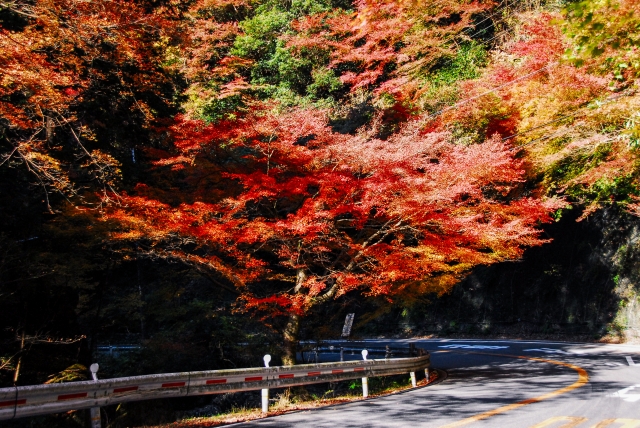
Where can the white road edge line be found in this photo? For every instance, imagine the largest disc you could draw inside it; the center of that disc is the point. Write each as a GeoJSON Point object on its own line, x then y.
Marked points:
{"type": "Point", "coordinates": [589, 347]}
{"type": "Point", "coordinates": [549, 351]}
{"type": "Point", "coordinates": [513, 341]}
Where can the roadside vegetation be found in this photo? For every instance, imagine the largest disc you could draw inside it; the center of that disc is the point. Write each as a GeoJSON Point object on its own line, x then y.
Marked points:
{"type": "Point", "coordinates": [296, 399]}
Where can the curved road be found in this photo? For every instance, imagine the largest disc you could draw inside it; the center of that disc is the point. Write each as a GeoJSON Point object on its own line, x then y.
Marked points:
{"type": "Point", "coordinates": [500, 383]}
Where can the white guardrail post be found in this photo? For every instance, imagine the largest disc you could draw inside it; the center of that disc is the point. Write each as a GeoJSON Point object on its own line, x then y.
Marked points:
{"type": "Point", "coordinates": [413, 351]}
{"type": "Point", "coordinates": [94, 412]}
{"type": "Point", "coordinates": [34, 400]}
{"type": "Point", "coordinates": [265, 391]}
{"type": "Point", "coordinates": [365, 380]}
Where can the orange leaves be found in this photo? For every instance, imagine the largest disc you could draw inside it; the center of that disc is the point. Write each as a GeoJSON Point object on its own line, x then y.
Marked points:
{"type": "Point", "coordinates": [374, 33]}
{"type": "Point", "coordinates": [348, 282]}
{"type": "Point", "coordinates": [273, 305]}
{"type": "Point", "coordinates": [29, 75]}
{"type": "Point", "coordinates": [69, 66]}
{"type": "Point", "coordinates": [633, 208]}
{"type": "Point", "coordinates": [353, 213]}
{"type": "Point", "coordinates": [526, 86]}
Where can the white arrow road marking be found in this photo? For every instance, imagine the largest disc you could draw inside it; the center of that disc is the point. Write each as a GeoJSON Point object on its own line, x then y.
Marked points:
{"type": "Point", "coordinates": [630, 361]}
{"type": "Point", "coordinates": [624, 394]}
{"type": "Point", "coordinates": [472, 347]}
{"type": "Point", "coordinates": [548, 351]}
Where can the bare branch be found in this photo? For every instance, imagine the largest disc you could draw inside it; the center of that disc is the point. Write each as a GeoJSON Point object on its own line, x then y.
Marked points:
{"type": "Point", "coordinates": [12, 8]}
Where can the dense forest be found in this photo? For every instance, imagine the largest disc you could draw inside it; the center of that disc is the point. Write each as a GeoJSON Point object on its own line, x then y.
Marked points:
{"type": "Point", "coordinates": [208, 180]}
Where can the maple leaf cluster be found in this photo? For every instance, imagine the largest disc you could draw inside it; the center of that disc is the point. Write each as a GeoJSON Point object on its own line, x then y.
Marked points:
{"type": "Point", "coordinates": [307, 214]}
{"type": "Point", "coordinates": [292, 211]}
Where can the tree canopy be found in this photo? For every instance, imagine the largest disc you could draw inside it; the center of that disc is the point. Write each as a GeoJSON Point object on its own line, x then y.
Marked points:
{"type": "Point", "coordinates": [291, 153]}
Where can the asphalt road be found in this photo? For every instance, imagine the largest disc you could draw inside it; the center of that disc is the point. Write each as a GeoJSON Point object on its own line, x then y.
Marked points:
{"type": "Point", "coordinates": [490, 384]}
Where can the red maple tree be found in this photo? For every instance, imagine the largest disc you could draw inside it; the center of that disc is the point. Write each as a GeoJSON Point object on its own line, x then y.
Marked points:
{"type": "Point", "coordinates": [294, 215]}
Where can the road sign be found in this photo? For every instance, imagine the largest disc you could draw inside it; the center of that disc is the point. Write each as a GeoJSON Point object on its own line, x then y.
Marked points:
{"type": "Point", "coordinates": [348, 322]}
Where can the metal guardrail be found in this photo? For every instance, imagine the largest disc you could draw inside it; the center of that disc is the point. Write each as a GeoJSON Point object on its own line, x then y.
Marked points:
{"type": "Point", "coordinates": [117, 349]}
{"type": "Point", "coordinates": [310, 352]}
{"type": "Point", "coordinates": [22, 401]}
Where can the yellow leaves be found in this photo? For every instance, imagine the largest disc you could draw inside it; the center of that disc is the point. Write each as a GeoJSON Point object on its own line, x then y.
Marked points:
{"type": "Point", "coordinates": [73, 373]}
{"type": "Point", "coordinates": [129, 235]}
{"type": "Point", "coordinates": [42, 159]}
{"type": "Point", "coordinates": [46, 169]}
{"type": "Point", "coordinates": [440, 284]}
{"type": "Point", "coordinates": [205, 4]}
{"type": "Point", "coordinates": [426, 252]}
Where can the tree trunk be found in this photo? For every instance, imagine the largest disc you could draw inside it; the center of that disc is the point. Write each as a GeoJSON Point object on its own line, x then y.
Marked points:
{"type": "Point", "coordinates": [16, 374]}
{"type": "Point", "coordinates": [293, 326]}
{"type": "Point", "coordinates": [291, 340]}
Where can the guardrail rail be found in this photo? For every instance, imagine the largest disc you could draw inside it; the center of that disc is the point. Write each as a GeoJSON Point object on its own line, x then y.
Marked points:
{"type": "Point", "coordinates": [23, 401]}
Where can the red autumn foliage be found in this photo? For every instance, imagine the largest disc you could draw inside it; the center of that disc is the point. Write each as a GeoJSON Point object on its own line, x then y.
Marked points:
{"type": "Point", "coordinates": [385, 40]}
{"type": "Point", "coordinates": [301, 215]}
{"type": "Point", "coordinates": [46, 62]}
{"type": "Point", "coordinates": [541, 42]}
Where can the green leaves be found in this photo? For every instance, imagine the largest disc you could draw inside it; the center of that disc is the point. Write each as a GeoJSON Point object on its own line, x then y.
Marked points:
{"type": "Point", "coordinates": [465, 65]}
{"type": "Point", "coordinates": [442, 82]}
{"type": "Point", "coordinates": [260, 34]}
{"type": "Point", "coordinates": [605, 27]}
{"type": "Point", "coordinates": [325, 84]}
{"type": "Point", "coordinates": [632, 130]}
{"type": "Point", "coordinates": [298, 8]}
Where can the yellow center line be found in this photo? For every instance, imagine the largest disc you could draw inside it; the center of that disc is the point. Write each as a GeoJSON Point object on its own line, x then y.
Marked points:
{"type": "Point", "coordinates": [627, 423]}
{"type": "Point", "coordinates": [572, 421]}
{"type": "Point", "coordinates": [583, 379]}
